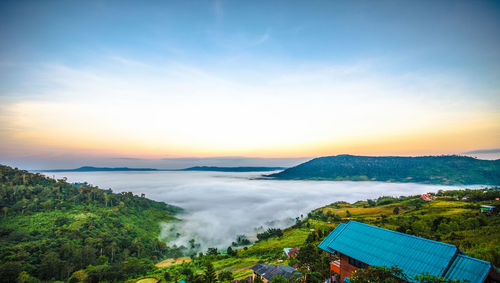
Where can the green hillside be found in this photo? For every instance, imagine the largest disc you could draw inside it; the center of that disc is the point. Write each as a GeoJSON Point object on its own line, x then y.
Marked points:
{"type": "Point", "coordinates": [445, 170]}
{"type": "Point", "coordinates": [53, 230]}
{"type": "Point", "coordinates": [452, 217]}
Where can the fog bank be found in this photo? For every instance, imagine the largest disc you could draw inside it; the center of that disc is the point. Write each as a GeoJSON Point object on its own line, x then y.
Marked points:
{"type": "Point", "coordinates": [219, 205]}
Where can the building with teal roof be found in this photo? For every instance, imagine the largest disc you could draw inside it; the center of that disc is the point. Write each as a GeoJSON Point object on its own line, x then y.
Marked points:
{"type": "Point", "coordinates": [360, 245]}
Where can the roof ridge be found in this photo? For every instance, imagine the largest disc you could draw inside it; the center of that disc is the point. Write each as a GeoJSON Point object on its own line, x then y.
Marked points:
{"type": "Point", "coordinates": [454, 264]}
{"type": "Point", "coordinates": [341, 229]}
{"type": "Point", "coordinates": [476, 259]}
{"type": "Point", "coordinates": [403, 234]}
{"type": "Point", "coordinates": [332, 236]}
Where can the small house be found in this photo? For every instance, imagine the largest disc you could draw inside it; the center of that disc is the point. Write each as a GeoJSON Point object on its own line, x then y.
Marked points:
{"type": "Point", "coordinates": [291, 252]}
{"type": "Point", "coordinates": [360, 245]}
{"type": "Point", "coordinates": [487, 209]}
{"type": "Point", "coordinates": [426, 197]}
{"type": "Point", "coordinates": [267, 272]}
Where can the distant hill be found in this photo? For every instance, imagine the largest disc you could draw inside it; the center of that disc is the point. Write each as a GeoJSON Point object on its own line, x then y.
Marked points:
{"type": "Point", "coordinates": [95, 169]}
{"type": "Point", "coordinates": [195, 168]}
{"type": "Point", "coordinates": [445, 170]}
{"type": "Point", "coordinates": [232, 169]}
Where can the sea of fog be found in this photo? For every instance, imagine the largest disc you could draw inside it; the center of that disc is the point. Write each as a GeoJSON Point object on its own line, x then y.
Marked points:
{"type": "Point", "coordinates": [219, 205]}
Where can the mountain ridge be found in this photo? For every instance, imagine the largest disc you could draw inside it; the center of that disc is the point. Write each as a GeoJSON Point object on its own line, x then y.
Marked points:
{"type": "Point", "coordinates": [194, 168]}
{"type": "Point", "coordinates": [443, 170]}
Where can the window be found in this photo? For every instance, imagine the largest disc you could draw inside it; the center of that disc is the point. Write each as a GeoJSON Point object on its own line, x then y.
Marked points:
{"type": "Point", "coordinates": [356, 263]}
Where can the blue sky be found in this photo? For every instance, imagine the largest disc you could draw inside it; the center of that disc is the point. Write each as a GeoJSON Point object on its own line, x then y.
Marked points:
{"type": "Point", "coordinates": [413, 68]}
{"type": "Point", "coordinates": [423, 34]}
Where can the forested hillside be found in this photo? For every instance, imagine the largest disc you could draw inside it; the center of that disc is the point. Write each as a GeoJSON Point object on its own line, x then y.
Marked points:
{"type": "Point", "coordinates": [446, 170]}
{"type": "Point", "coordinates": [53, 230]}
{"type": "Point", "coordinates": [452, 217]}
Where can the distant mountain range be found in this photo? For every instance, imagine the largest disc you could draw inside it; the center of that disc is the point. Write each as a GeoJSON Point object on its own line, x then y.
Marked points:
{"type": "Point", "coordinates": [97, 169]}
{"type": "Point", "coordinates": [445, 170]}
{"type": "Point", "coordinates": [232, 169]}
{"type": "Point", "coordinates": [196, 168]}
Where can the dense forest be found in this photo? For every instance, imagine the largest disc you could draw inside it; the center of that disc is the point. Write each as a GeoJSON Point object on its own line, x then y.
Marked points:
{"type": "Point", "coordinates": [445, 170]}
{"type": "Point", "coordinates": [53, 230]}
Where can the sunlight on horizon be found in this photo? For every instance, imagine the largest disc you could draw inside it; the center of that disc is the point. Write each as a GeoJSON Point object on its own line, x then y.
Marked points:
{"type": "Point", "coordinates": [217, 86]}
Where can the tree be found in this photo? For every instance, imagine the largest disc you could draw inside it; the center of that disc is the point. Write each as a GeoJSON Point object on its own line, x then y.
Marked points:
{"type": "Point", "coordinates": [279, 279]}
{"type": "Point", "coordinates": [166, 275]}
{"type": "Point", "coordinates": [212, 251]}
{"type": "Point", "coordinates": [258, 279]}
{"type": "Point", "coordinates": [226, 276]}
{"type": "Point", "coordinates": [312, 263]}
{"type": "Point", "coordinates": [379, 274]}
{"type": "Point", "coordinates": [191, 244]}
{"type": "Point", "coordinates": [231, 252]}
{"type": "Point", "coordinates": [420, 227]}
{"type": "Point", "coordinates": [427, 278]}
{"type": "Point", "coordinates": [78, 276]}
{"type": "Point", "coordinates": [97, 273]}
{"type": "Point", "coordinates": [200, 278]}
{"type": "Point", "coordinates": [296, 277]}
{"type": "Point", "coordinates": [9, 271]}
{"type": "Point", "coordinates": [24, 277]}
{"type": "Point", "coordinates": [51, 266]}
{"type": "Point", "coordinates": [210, 275]}
{"type": "Point", "coordinates": [5, 210]}
{"type": "Point", "coordinates": [188, 273]}
{"type": "Point", "coordinates": [279, 233]}
{"type": "Point", "coordinates": [395, 211]}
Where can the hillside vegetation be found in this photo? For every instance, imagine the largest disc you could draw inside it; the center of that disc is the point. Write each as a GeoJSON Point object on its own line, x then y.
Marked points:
{"type": "Point", "coordinates": [53, 230]}
{"type": "Point", "coordinates": [452, 217]}
{"type": "Point", "coordinates": [445, 170]}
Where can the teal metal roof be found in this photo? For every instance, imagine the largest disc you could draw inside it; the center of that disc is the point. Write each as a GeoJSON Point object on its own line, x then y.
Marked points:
{"type": "Point", "coordinates": [382, 247]}
{"type": "Point", "coordinates": [468, 268]}
{"type": "Point", "coordinates": [326, 242]}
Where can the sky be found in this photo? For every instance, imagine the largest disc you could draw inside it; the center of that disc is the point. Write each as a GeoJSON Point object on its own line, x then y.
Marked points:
{"type": "Point", "coordinates": [100, 81]}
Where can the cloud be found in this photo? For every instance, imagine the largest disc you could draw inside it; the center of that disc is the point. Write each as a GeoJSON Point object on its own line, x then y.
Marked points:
{"type": "Point", "coordinates": [184, 109]}
{"type": "Point", "coordinates": [220, 206]}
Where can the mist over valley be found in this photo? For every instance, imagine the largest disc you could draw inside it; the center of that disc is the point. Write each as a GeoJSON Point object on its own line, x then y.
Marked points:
{"type": "Point", "coordinates": [218, 206]}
